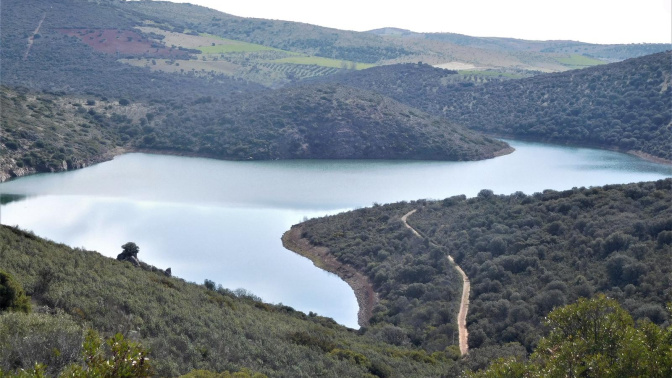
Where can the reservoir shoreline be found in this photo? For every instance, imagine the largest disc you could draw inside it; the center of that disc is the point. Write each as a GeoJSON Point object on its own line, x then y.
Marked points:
{"type": "Point", "coordinates": [321, 258]}
{"type": "Point", "coordinates": [229, 215]}
{"type": "Point", "coordinates": [9, 173]}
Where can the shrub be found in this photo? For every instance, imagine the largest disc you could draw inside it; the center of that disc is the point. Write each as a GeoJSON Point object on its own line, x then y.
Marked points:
{"type": "Point", "coordinates": [53, 341]}
{"type": "Point", "coordinates": [12, 296]}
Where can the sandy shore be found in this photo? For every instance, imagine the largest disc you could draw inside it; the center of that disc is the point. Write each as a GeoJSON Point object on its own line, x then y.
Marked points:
{"type": "Point", "coordinates": [360, 284]}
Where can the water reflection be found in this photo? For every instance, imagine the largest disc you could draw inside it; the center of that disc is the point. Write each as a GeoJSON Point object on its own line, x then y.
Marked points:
{"type": "Point", "coordinates": [223, 220]}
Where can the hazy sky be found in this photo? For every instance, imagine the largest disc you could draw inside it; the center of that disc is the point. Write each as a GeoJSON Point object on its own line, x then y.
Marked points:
{"type": "Point", "coordinates": [597, 21]}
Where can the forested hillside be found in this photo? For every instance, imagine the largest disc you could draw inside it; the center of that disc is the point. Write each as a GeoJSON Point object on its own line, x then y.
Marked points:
{"type": "Point", "coordinates": [117, 46]}
{"type": "Point", "coordinates": [48, 133]}
{"type": "Point", "coordinates": [42, 133]}
{"type": "Point", "coordinates": [184, 326]}
{"type": "Point", "coordinates": [625, 106]}
{"type": "Point", "coordinates": [607, 53]}
{"type": "Point", "coordinates": [344, 45]}
{"type": "Point", "coordinates": [57, 62]}
{"type": "Point", "coordinates": [524, 255]}
{"type": "Point", "coordinates": [318, 122]}
{"type": "Point", "coordinates": [65, 80]}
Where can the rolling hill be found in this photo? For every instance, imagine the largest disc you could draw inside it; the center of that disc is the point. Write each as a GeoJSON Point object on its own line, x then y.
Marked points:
{"type": "Point", "coordinates": [605, 53]}
{"type": "Point", "coordinates": [78, 45]}
{"type": "Point", "coordinates": [624, 106]}
{"type": "Point", "coordinates": [45, 132]}
{"type": "Point", "coordinates": [523, 254]}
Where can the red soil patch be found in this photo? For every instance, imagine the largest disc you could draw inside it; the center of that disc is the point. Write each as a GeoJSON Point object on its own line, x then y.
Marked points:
{"type": "Point", "coordinates": [123, 42]}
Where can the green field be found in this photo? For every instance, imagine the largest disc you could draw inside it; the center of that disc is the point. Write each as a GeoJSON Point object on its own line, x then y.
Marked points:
{"type": "Point", "coordinates": [490, 74]}
{"type": "Point", "coordinates": [324, 62]}
{"type": "Point", "coordinates": [579, 61]}
{"type": "Point", "coordinates": [231, 46]}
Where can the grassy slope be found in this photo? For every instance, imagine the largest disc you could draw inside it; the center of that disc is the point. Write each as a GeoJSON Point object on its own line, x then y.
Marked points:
{"type": "Point", "coordinates": [623, 105]}
{"type": "Point", "coordinates": [187, 326]}
{"type": "Point", "coordinates": [523, 254]}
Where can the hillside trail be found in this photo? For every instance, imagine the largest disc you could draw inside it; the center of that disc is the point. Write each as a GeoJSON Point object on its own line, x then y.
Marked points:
{"type": "Point", "coordinates": [31, 39]}
{"type": "Point", "coordinates": [466, 287]}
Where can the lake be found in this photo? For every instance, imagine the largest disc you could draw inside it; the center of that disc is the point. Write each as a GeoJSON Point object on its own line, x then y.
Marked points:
{"type": "Point", "coordinates": [222, 220]}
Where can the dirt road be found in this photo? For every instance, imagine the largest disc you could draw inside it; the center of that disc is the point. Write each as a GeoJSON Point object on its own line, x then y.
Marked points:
{"type": "Point", "coordinates": [31, 39]}
{"type": "Point", "coordinates": [464, 303]}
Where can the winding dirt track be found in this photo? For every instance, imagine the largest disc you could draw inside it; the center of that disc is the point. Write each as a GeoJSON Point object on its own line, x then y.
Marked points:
{"type": "Point", "coordinates": [464, 303]}
{"type": "Point", "coordinates": [31, 39]}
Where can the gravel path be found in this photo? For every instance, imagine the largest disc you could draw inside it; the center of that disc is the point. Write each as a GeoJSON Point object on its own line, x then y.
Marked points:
{"type": "Point", "coordinates": [464, 303]}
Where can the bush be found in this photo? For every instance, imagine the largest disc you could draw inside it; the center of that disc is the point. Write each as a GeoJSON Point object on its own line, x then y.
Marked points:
{"type": "Point", "coordinates": [12, 296]}
{"type": "Point", "coordinates": [30, 339]}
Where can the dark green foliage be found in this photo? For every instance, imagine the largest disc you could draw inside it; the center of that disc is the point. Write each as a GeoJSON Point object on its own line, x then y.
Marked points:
{"type": "Point", "coordinates": [12, 296]}
{"type": "Point", "coordinates": [129, 249]}
{"type": "Point", "coordinates": [244, 373]}
{"type": "Point", "coordinates": [622, 105]}
{"type": "Point", "coordinates": [47, 133]}
{"type": "Point", "coordinates": [116, 357]}
{"type": "Point", "coordinates": [186, 326]}
{"type": "Point", "coordinates": [606, 52]}
{"type": "Point", "coordinates": [524, 255]}
{"type": "Point", "coordinates": [593, 338]}
{"type": "Point", "coordinates": [59, 63]}
{"type": "Point", "coordinates": [590, 243]}
{"type": "Point", "coordinates": [418, 289]}
{"type": "Point", "coordinates": [54, 340]}
{"type": "Point", "coordinates": [304, 38]}
{"type": "Point", "coordinates": [318, 122]}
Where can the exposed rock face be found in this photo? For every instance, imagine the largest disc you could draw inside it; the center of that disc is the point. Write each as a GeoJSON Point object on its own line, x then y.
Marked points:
{"type": "Point", "coordinates": [129, 253]}
{"type": "Point", "coordinates": [133, 259]}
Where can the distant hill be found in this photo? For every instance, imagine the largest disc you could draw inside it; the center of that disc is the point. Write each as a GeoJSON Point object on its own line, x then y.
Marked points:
{"type": "Point", "coordinates": [604, 52]}
{"type": "Point", "coordinates": [625, 106]}
{"type": "Point", "coordinates": [58, 62]}
{"type": "Point", "coordinates": [44, 132]}
{"type": "Point", "coordinates": [318, 122]}
{"type": "Point", "coordinates": [122, 46]}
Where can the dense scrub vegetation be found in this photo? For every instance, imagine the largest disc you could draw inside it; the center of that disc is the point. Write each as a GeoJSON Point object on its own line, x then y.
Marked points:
{"type": "Point", "coordinates": [185, 326]}
{"type": "Point", "coordinates": [622, 105]}
{"type": "Point", "coordinates": [317, 122]}
{"type": "Point", "coordinates": [83, 106]}
{"type": "Point", "coordinates": [593, 338]}
{"type": "Point", "coordinates": [58, 63]}
{"type": "Point", "coordinates": [47, 133]}
{"type": "Point", "coordinates": [419, 292]}
{"type": "Point", "coordinates": [524, 255]}
{"type": "Point", "coordinates": [609, 53]}
{"type": "Point", "coordinates": [372, 47]}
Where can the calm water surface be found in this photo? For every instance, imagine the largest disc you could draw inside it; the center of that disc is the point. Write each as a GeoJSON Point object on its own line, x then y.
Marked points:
{"type": "Point", "coordinates": [223, 220]}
